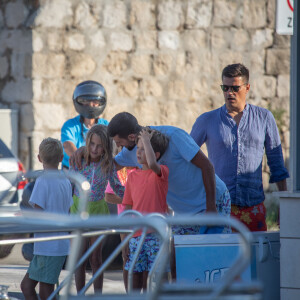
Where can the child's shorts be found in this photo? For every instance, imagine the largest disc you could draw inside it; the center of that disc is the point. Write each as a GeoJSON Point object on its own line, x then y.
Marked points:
{"type": "Point", "coordinates": [93, 207]}
{"type": "Point", "coordinates": [147, 254]}
{"type": "Point", "coordinates": [46, 268]}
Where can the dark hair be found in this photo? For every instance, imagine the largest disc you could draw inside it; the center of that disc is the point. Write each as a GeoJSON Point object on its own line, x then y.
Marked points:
{"type": "Point", "coordinates": [123, 124]}
{"type": "Point", "coordinates": [236, 70]}
{"type": "Point", "coordinates": [159, 141]}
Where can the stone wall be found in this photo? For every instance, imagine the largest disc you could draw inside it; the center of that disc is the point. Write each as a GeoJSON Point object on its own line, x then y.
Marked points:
{"type": "Point", "coordinates": [158, 59]}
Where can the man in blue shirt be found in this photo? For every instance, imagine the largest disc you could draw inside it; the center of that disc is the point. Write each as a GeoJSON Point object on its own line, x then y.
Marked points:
{"type": "Point", "coordinates": [237, 135]}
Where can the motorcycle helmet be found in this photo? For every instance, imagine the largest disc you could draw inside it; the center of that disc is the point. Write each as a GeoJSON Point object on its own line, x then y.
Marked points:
{"type": "Point", "coordinates": [89, 91]}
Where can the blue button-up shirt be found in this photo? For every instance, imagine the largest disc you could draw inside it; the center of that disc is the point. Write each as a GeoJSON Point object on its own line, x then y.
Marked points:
{"type": "Point", "coordinates": [237, 151]}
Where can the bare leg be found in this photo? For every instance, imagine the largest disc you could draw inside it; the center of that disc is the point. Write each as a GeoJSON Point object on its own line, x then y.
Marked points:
{"type": "Point", "coordinates": [145, 277]}
{"type": "Point", "coordinates": [80, 272]}
{"type": "Point", "coordinates": [173, 261]}
{"type": "Point", "coordinates": [137, 281]}
{"type": "Point", "coordinates": [96, 263]}
{"type": "Point", "coordinates": [124, 257]}
{"type": "Point", "coordinates": [46, 290]}
{"type": "Point", "coordinates": [28, 288]}
{"type": "Point", "coordinates": [125, 279]}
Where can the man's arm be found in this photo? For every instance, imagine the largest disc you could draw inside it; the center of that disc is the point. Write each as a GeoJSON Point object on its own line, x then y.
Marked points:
{"type": "Point", "coordinates": [281, 185]}
{"type": "Point", "coordinates": [69, 147]}
{"type": "Point", "coordinates": [274, 154]}
{"type": "Point", "coordinates": [209, 179]}
{"type": "Point", "coordinates": [198, 132]}
{"type": "Point", "coordinates": [76, 158]}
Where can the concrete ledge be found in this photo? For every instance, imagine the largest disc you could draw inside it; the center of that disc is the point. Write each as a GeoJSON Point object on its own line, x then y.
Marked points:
{"type": "Point", "coordinates": [289, 294]}
{"type": "Point", "coordinates": [289, 263]}
{"type": "Point", "coordinates": [295, 194]}
{"type": "Point", "coordinates": [290, 245]}
{"type": "Point", "coordinates": [289, 215]}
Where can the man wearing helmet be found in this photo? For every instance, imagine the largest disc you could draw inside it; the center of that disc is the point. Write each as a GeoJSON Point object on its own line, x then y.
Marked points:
{"type": "Point", "coordinates": [89, 99]}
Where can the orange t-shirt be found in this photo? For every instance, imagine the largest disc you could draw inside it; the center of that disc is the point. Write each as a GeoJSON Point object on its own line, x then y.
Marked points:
{"type": "Point", "coordinates": [147, 192]}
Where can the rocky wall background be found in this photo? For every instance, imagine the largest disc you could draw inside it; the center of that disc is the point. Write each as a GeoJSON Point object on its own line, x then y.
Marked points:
{"type": "Point", "coordinates": [158, 59]}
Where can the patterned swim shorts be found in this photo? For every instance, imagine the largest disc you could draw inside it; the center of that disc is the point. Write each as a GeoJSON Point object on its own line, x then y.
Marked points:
{"type": "Point", "coordinates": [147, 255]}
{"type": "Point", "coordinates": [254, 217]}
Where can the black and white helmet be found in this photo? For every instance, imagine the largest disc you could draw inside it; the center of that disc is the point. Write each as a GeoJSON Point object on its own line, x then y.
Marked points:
{"type": "Point", "coordinates": [89, 91]}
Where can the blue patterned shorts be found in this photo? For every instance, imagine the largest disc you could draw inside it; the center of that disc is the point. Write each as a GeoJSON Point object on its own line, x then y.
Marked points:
{"type": "Point", "coordinates": [185, 230]}
{"type": "Point", "coordinates": [223, 204]}
{"type": "Point", "coordinates": [224, 208]}
{"type": "Point", "coordinates": [147, 255]}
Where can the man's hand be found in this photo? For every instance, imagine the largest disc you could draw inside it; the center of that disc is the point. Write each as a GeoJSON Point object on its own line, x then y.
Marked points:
{"type": "Point", "coordinates": [281, 185]}
{"type": "Point", "coordinates": [76, 158]}
{"type": "Point", "coordinates": [209, 179]}
{"type": "Point", "coordinates": [69, 147]}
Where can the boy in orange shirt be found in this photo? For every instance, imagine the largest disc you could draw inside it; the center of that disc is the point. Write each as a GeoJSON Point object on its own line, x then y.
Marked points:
{"type": "Point", "coordinates": [146, 192]}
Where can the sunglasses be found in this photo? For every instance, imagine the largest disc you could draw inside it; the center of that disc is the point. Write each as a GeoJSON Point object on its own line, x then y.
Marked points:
{"type": "Point", "coordinates": [234, 88]}
{"type": "Point", "coordinates": [85, 101]}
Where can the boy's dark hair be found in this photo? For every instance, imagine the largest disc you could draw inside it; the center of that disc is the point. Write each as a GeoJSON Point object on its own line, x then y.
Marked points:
{"type": "Point", "coordinates": [51, 151]}
{"type": "Point", "coordinates": [236, 70]}
{"type": "Point", "coordinates": [123, 124]}
{"type": "Point", "coordinates": [159, 141]}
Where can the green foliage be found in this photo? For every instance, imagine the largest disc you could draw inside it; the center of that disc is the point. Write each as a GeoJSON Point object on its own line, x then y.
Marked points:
{"type": "Point", "coordinates": [272, 216]}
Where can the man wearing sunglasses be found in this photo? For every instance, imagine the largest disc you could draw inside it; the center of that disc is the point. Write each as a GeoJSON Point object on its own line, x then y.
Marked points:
{"type": "Point", "coordinates": [237, 135]}
{"type": "Point", "coordinates": [89, 99]}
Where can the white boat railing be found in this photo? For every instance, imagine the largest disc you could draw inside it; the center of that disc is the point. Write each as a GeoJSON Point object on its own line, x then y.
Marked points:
{"type": "Point", "coordinates": [83, 225]}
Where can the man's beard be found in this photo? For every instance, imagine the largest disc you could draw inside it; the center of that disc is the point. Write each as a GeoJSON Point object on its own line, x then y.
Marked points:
{"type": "Point", "coordinates": [131, 146]}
